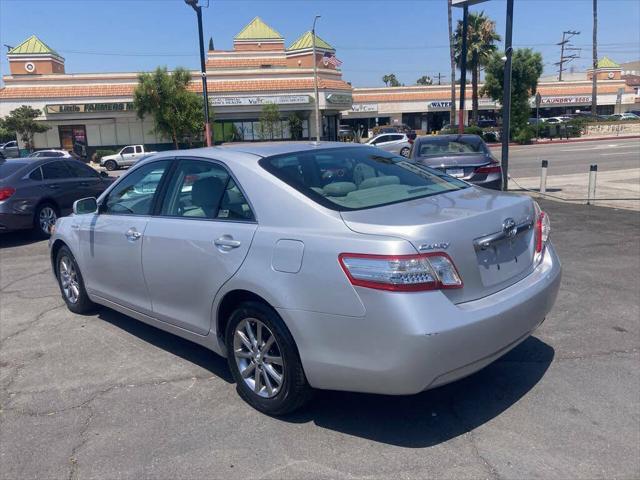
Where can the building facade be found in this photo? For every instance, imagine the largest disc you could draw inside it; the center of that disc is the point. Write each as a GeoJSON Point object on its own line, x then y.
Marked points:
{"type": "Point", "coordinates": [96, 111]}
{"type": "Point", "coordinates": [91, 111]}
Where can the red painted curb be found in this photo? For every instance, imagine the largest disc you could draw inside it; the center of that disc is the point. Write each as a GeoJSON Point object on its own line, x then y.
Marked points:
{"type": "Point", "coordinates": [556, 142]}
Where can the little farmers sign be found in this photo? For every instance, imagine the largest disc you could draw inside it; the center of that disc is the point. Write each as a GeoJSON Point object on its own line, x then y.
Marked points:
{"type": "Point", "coordinates": [88, 107]}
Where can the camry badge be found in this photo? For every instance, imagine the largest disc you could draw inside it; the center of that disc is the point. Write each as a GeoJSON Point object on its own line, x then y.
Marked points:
{"type": "Point", "coordinates": [434, 246]}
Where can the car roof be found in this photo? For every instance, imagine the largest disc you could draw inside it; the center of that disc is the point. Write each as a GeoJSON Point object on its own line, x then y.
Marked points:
{"type": "Point", "coordinates": [450, 136]}
{"type": "Point", "coordinates": [257, 150]}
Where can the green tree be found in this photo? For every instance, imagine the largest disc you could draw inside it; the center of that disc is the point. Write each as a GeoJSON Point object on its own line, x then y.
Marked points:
{"type": "Point", "coordinates": [177, 112]}
{"type": "Point", "coordinates": [481, 44]}
{"type": "Point", "coordinates": [295, 126]}
{"type": "Point", "coordinates": [270, 126]}
{"type": "Point", "coordinates": [526, 67]}
{"type": "Point", "coordinates": [390, 80]}
{"type": "Point", "coordinates": [424, 80]}
{"type": "Point", "coordinates": [211, 44]}
{"type": "Point", "coordinates": [22, 121]}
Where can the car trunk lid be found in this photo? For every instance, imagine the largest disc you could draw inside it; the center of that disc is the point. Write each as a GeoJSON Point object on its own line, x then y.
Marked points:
{"type": "Point", "coordinates": [489, 235]}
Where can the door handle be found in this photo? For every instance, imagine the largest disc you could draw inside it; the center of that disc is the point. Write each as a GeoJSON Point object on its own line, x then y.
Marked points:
{"type": "Point", "coordinates": [132, 234]}
{"type": "Point", "coordinates": [226, 243]}
{"type": "Point", "coordinates": [54, 186]}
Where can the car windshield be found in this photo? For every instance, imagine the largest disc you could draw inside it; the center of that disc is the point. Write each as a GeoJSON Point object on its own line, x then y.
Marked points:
{"type": "Point", "coordinates": [357, 178]}
{"type": "Point", "coordinates": [448, 146]}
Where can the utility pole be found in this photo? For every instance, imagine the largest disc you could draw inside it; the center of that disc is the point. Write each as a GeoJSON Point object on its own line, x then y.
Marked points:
{"type": "Point", "coordinates": [463, 66]}
{"type": "Point", "coordinates": [203, 71]}
{"type": "Point", "coordinates": [315, 78]}
{"type": "Point", "coordinates": [506, 99]}
{"type": "Point", "coordinates": [440, 77]}
{"type": "Point", "coordinates": [565, 46]}
{"type": "Point", "coordinates": [594, 80]}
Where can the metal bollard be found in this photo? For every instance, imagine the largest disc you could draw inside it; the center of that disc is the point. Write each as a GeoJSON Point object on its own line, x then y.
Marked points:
{"type": "Point", "coordinates": [543, 177]}
{"type": "Point", "coordinates": [591, 195]}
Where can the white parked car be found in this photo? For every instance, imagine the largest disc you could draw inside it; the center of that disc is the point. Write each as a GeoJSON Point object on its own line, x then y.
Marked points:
{"type": "Point", "coordinates": [623, 116]}
{"type": "Point", "coordinates": [398, 143]}
{"type": "Point", "coordinates": [126, 157]}
{"type": "Point", "coordinates": [51, 153]}
{"type": "Point", "coordinates": [556, 119]}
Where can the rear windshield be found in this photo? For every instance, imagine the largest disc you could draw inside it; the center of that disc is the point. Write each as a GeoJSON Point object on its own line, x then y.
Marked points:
{"type": "Point", "coordinates": [448, 146]}
{"type": "Point", "coordinates": [8, 168]}
{"type": "Point", "coordinates": [358, 177]}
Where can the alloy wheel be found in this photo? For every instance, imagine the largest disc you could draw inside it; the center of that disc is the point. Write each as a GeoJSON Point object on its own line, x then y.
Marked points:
{"type": "Point", "coordinates": [258, 357]}
{"type": "Point", "coordinates": [69, 279]}
{"type": "Point", "coordinates": [47, 219]}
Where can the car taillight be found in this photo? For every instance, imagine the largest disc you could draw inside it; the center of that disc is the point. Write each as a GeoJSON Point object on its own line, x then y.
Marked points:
{"type": "Point", "coordinates": [543, 229]}
{"type": "Point", "coordinates": [403, 273]}
{"type": "Point", "coordinates": [6, 192]}
{"type": "Point", "coordinates": [491, 168]}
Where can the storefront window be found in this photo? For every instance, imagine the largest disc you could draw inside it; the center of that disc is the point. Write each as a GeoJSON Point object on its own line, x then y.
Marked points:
{"type": "Point", "coordinates": [73, 138]}
{"type": "Point", "coordinates": [249, 131]}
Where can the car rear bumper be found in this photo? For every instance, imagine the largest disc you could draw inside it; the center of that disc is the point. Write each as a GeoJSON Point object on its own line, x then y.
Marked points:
{"type": "Point", "coordinates": [410, 342]}
{"type": "Point", "coordinates": [12, 221]}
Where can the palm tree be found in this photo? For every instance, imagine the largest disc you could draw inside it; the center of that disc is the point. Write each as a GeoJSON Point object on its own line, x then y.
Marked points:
{"type": "Point", "coordinates": [452, 53]}
{"type": "Point", "coordinates": [481, 39]}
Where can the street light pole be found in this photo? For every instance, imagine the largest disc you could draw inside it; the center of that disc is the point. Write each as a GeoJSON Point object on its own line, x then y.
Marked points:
{"type": "Point", "coordinates": [315, 78]}
{"type": "Point", "coordinates": [463, 67]}
{"type": "Point", "coordinates": [203, 71]}
{"type": "Point", "coordinates": [506, 100]}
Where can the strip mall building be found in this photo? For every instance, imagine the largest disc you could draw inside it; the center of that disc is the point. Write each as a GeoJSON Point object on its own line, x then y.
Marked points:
{"type": "Point", "coordinates": [96, 110]}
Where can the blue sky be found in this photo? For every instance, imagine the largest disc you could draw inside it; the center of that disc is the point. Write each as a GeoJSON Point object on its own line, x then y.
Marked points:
{"type": "Point", "coordinates": [373, 37]}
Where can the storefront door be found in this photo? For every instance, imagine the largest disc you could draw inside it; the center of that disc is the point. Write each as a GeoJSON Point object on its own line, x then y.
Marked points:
{"type": "Point", "coordinates": [73, 138]}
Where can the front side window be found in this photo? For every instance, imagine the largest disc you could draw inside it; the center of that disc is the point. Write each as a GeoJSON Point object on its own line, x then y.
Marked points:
{"type": "Point", "coordinates": [200, 189]}
{"type": "Point", "coordinates": [55, 171]}
{"type": "Point", "coordinates": [355, 178]}
{"type": "Point", "coordinates": [127, 150]}
{"type": "Point", "coordinates": [133, 195]}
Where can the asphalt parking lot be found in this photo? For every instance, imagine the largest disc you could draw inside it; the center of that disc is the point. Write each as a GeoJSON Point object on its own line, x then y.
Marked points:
{"type": "Point", "coordinates": [104, 396]}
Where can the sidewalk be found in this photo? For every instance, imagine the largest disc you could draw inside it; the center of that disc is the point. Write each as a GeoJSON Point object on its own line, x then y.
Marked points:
{"type": "Point", "coordinates": [617, 184]}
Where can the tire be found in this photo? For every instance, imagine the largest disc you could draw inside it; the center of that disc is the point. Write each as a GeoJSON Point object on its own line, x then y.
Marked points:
{"type": "Point", "coordinates": [111, 165]}
{"type": "Point", "coordinates": [44, 219]}
{"type": "Point", "coordinates": [293, 390]}
{"type": "Point", "coordinates": [71, 283]}
{"type": "Point", "coordinates": [405, 152]}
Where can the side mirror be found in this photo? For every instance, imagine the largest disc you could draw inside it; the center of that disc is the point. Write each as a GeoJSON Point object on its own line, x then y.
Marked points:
{"type": "Point", "coordinates": [104, 174]}
{"type": "Point", "coordinates": [85, 205]}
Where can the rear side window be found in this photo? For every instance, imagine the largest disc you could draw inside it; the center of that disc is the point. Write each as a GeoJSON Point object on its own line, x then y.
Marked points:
{"type": "Point", "coordinates": [200, 189]}
{"type": "Point", "coordinates": [8, 168]}
{"type": "Point", "coordinates": [55, 171]}
{"type": "Point", "coordinates": [36, 174]}
{"type": "Point", "coordinates": [357, 178]}
{"type": "Point", "coordinates": [138, 149]}
{"type": "Point", "coordinates": [81, 170]}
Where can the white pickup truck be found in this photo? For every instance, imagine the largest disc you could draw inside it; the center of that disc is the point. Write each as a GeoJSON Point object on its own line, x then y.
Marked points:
{"type": "Point", "coordinates": [126, 157]}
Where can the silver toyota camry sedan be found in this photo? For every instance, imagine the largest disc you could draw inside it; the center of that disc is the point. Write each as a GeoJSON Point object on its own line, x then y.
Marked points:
{"type": "Point", "coordinates": [314, 266]}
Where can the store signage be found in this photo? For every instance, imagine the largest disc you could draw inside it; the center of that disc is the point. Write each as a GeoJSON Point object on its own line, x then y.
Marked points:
{"type": "Point", "coordinates": [364, 107]}
{"type": "Point", "coordinates": [340, 98]}
{"type": "Point", "coordinates": [565, 100]}
{"type": "Point", "coordinates": [440, 104]}
{"type": "Point", "coordinates": [260, 100]}
{"type": "Point", "coordinates": [89, 107]}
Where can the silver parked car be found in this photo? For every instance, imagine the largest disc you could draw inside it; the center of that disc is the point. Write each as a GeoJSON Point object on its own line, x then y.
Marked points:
{"type": "Point", "coordinates": [398, 143]}
{"type": "Point", "coordinates": [325, 266]}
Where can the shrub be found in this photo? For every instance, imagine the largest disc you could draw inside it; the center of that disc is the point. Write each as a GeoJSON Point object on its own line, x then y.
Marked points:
{"type": "Point", "coordinates": [103, 153]}
{"type": "Point", "coordinates": [491, 136]}
{"type": "Point", "coordinates": [524, 135]}
{"type": "Point", "coordinates": [473, 130]}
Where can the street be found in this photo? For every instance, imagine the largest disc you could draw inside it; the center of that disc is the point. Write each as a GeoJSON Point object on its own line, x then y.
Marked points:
{"type": "Point", "coordinates": [105, 396]}
{"type": "Point", "coordinates": [571, 158]}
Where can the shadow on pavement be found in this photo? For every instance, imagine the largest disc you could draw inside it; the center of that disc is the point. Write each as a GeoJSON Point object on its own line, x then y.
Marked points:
{"type": "Point", "coordinates": [438, 415]}
{"type": "Point", "coordinates": [189, 351]}
{"type": "Point", "coordinates": [18, 239]}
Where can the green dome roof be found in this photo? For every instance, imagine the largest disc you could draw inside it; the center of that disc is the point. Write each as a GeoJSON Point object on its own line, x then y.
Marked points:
{"type": "Point", "coordinates": [606, 62]}
{"type": "Point", "coordinates": [306, 41]}
{"type": "Point", "coordinates": [258, 30]}
{"type": "Point", "coordinates": [32, 46]}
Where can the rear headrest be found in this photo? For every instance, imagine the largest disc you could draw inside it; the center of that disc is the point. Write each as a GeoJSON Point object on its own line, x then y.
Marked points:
{"type": "Point", "coordinates": [207, 192]}
{"type": "Point", "coordinates": [339, 189]}
{"type": "Point", "coordinates": [379, 181]}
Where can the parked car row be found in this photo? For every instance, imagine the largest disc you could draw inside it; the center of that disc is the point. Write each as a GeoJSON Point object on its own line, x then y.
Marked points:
{"type": "Point", "coordinates": [35, 192]}
{"type": "Point", "coordinates": [384, 276]}
{"type": "Point", "coordinates": [9, 150]}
